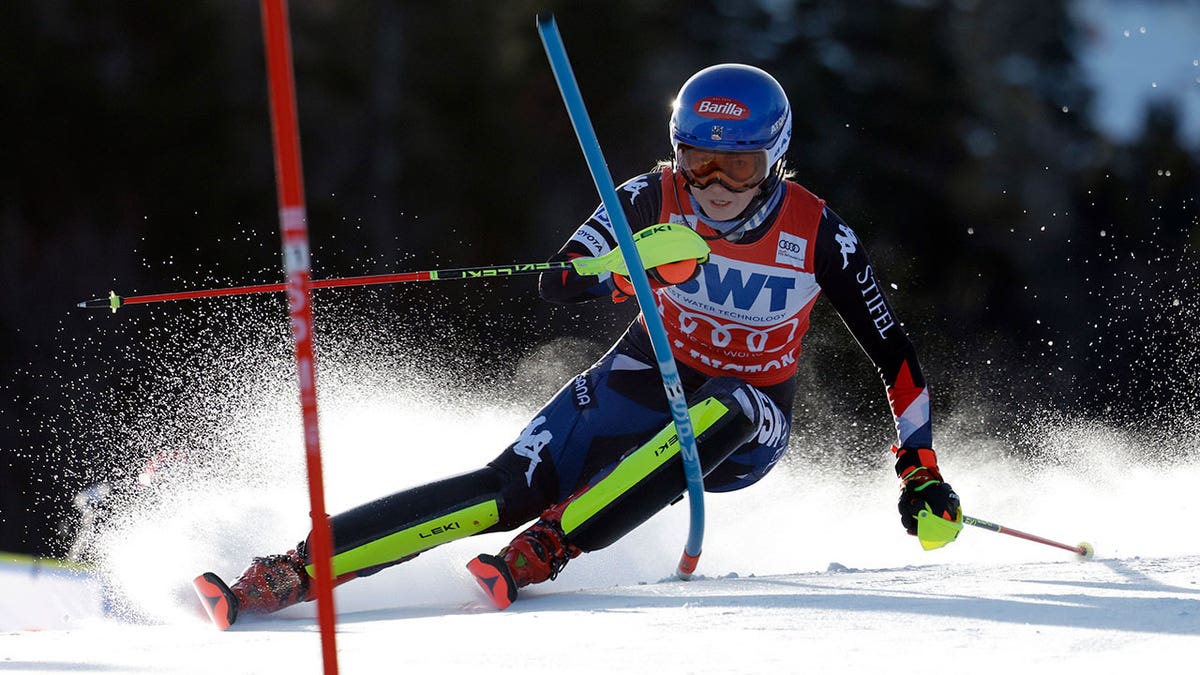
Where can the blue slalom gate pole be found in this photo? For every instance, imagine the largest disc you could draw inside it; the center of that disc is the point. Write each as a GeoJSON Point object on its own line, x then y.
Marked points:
{"type": "Point", "coordinates": [563, 74]}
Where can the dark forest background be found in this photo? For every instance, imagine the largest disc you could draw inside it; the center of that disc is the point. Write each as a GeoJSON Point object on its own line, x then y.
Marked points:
{"type": "Point", "coordinates": [1038, 265]}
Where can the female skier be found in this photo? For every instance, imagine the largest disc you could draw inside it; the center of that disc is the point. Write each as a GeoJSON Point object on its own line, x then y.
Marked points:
{"type": "Point", "coordinates": [738, 254]}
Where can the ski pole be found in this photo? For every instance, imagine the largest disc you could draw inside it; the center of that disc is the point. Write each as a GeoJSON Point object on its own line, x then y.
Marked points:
{"type": "Point", "coordinates": [114, 301]}
{"type": "Point", "coordinates": [1083, 549]}
{"type": "Point", "coordinates": [564, 76]}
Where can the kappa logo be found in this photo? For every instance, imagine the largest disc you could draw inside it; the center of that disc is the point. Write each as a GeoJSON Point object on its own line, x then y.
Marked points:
{"type": "Point", "coordinates": [530, 444]}
{"type": "Point", "coordinates": [848, 242]}
{"type": "Point", "coordinates": [635, 187]}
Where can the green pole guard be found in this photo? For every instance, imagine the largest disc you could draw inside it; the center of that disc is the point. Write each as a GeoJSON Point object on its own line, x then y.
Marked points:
{"type": "Point", "coordinates": [657, 245]}
{"type": "Point", "coordinates": [935, 531]}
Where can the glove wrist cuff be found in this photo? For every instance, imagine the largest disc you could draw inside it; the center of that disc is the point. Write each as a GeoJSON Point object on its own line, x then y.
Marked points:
{"type": "Point", "coordinates": [908, 459]}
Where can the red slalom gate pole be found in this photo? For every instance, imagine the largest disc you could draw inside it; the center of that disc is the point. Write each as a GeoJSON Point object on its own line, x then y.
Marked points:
{"type": "Point", "coordinates": [294, 233]}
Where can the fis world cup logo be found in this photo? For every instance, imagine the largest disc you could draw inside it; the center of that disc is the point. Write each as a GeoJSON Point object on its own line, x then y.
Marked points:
{"type": "Point", "coordinates": [721, 108]}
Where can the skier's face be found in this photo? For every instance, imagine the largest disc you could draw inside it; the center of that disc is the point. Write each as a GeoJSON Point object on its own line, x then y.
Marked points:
{"type": "Point", "coordinates": [720, 203]}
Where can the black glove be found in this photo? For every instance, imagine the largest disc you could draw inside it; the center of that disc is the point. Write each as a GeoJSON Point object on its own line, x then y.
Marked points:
{"type": "Point", "coordinates": [922, 488]}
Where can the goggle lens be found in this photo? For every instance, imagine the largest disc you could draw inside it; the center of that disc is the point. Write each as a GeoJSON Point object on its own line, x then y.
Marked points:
{"type": "Point", "coordinates": [737, 171]}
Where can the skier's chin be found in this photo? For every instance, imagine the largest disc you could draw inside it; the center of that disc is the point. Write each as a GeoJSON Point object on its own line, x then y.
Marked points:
{"type": "Point", "coordinates": [719, 203]}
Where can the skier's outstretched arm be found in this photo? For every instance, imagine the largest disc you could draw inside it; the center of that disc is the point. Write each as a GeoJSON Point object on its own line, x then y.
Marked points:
{"type": "Point", "coordinates": [856, 292]}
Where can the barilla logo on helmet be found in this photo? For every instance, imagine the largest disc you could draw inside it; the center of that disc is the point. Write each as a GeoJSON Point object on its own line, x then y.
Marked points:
{"type": "Point", "coordinates": [721, 108]}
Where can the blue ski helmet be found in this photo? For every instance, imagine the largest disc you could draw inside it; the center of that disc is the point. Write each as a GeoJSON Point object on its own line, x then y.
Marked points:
{"type": "Point", "coordinates": [733, 107]}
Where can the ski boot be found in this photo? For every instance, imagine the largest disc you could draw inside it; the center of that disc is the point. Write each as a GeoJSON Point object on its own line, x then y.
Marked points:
{"type": "Point", "coordinates": [269, 584]}
{"type": "Point", "coordinates": [536, 555]}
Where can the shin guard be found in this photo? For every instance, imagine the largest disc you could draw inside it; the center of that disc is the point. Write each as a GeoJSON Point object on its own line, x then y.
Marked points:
{"type": "Point", "coordinates": [398, 527]}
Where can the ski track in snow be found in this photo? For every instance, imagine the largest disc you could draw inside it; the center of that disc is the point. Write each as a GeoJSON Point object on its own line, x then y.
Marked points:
{"type": "Point", "coordinates": [1105, 616]}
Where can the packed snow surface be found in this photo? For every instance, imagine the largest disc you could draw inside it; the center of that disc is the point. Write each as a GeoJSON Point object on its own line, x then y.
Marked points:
{"type": "Point", "coordinates": [809, 571]}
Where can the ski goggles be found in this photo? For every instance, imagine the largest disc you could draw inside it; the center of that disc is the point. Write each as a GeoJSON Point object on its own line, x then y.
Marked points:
{"type": "Point", "coordinates": [737, 171]}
